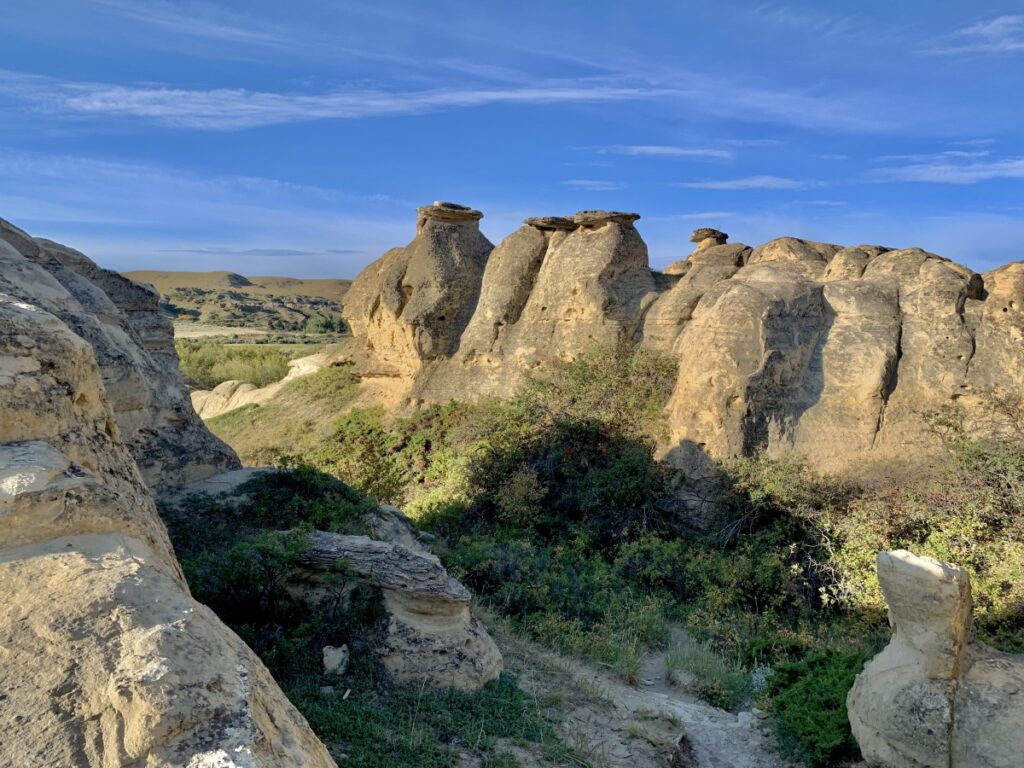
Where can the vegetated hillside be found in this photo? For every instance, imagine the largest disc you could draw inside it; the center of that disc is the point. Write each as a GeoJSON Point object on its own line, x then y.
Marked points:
{"type": "Point", "coordinates": [232, 300]}
{"type": "Point", "coordinates": [553, 507]}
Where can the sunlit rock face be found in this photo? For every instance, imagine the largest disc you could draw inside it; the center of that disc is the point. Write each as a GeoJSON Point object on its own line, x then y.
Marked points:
{"type": "Point", "coordinates": [836, 353]}
{"type": "Point", "coordinates": [133, 343]}
{"type": "Point", "coordinates": [935, 697]}
{"type": "Point", "coordinates": [105, 659]}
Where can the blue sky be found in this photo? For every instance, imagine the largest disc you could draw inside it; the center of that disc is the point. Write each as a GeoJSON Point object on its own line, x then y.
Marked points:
{"type": "Point", "coordinates": [296, 138]}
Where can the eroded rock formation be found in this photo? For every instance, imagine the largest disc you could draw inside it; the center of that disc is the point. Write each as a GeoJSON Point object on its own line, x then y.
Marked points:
{"type": "Point", "coordinates": [835, 353]}
{"type": "Point", "coordinates": [935, 697]}
{"type": "Point", "coordinates": [105, 659]}
{"type": "Point", "coordinates": [133, 344]}
{"type": "Point", "coordinates": [431, 634]}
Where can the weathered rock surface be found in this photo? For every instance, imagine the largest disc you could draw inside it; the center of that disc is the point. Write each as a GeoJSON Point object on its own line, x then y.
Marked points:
{"type": "Point", "coordinates": [412, 305]}
{"type": "Point", "coordinates": [105, 659]}
{"type": "Point", "coordinates": [232, 394]}
{"type": "Point", "coordinates": [547, 293]}
{"type": "Point", "coordinates": [835, 353]}
{"type": "Point", "coordinates": [935, 697]}
{"type": "Point", "coordinates": [431, 634]}
{"type": "Point", "coordinates": [133, 344]}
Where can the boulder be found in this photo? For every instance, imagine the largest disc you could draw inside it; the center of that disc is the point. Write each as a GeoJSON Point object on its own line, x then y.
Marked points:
{"type": "Point", "coordinates": [431, 635]}
{"type": "Point", "coordinates": [706, 237]}
{"type": "Point", "coordinates": [411, 306]}
{"type": "Point", "coordinates": [935, 697]}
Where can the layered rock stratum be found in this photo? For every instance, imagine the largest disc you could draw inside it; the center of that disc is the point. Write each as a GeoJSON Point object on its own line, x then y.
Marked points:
{"type": "Point", "coordinates": [133, 345]}
{"type": "Point", "coordinates": [105, 659]}
{"type": "Point", "coordinates": [936, 697]}
{"type": "Point", "coordinates": [836, 353]}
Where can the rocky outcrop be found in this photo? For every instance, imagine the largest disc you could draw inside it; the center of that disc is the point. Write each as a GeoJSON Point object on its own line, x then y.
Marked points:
{"type": "Point", "coordinates": [834, 353]}
{"type": "Point", "coordinates": [411, 306]}
{"type": "Point", "coordinates": [133, 344]}
{"type": "Point", "coordinates": [232, 394]}
{"type": "Point", "coordinates": [935, 697]}
{"type": "Point", "coordinates": [105, 659]}
{"type": "Point", "coordinates": [431, 635]}
{"type": "Point", "coordinates": [551, 289]}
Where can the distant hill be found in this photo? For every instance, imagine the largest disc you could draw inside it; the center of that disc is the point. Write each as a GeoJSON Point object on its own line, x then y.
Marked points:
{"type": "Point", "coordinates": [261, 301]}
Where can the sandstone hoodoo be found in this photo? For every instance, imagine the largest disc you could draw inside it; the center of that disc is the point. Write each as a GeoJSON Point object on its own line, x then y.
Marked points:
{"type": "Point", "coordinates": [836, 353]}
{"type": "Point", "coordinates": [936, 697]}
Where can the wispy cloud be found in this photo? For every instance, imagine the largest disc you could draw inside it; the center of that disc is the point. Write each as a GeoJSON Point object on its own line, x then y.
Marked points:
{"type": "Point", "coordinates": [196, 21]}
{"type": "Point", "coordinates": [698, 216]}
{"type": "Point", "coordinates": [271, 252]}
{"type": "Point", "coordinates": [660, 150]}
{"type": "Point", "coordinates": [931, 156]}
{"type": "Point", "coordinates": [750, 182]}
{"type": "Point", "coordinates": [131, 215]}
{"type": "Point", "coordinates": [594, 185]}
{"type": "Point", "coordinates": [236, 108]}
{"type": "Point", "coordinates": [953, 168]}
{"type": "Point", "coordinates": [1003, 34]}
{"type": "Point", "coordinates": [821, 25]}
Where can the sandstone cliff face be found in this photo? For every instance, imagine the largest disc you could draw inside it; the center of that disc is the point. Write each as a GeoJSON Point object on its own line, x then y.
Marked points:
{"type": "Point", "coordinates": [935, 697]}
{"type": "Point", "coordinates": [133, 344]}
{"type": "Point", "coordinates": [835, 353]}
{"type": "Point", "coordinates": [105, 660]}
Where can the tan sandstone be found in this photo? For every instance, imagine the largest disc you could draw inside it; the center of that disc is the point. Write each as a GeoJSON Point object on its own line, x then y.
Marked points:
{"type": "Point", "coordinates": [935, 697]}
{"type": "Point", "coordinates": [105, 659]}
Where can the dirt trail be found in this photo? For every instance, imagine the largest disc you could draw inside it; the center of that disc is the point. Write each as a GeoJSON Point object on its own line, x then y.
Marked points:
{"type": "Point", "coordinates": [615, 725]}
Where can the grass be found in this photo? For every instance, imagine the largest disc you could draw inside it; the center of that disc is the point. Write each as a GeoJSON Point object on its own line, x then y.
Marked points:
{"type": "Point", "coordinates": [298, 420]}
{"type": "Point", "coordinates": [721, 683]}
{"type": "Point", "coordinates": [411, 726]}
{"type": "Point", "coordinates": [239, 560]}
{"type": "Point", "coordinates": [553, 509]}
{"type": "Point", "coordinates": [206, 363]}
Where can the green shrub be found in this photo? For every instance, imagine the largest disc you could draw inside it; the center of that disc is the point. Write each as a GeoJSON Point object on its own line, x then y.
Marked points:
{"type": "Point", "coordinates": [208, 363]}
{"type": "Point", "coordinates": [361, 453]}
{"type": "Point", "coordinates": [809, 697]}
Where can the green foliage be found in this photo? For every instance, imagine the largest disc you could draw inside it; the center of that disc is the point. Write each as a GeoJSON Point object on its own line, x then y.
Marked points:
{"type": "Point", "coordinates": [718, 681]}
{"type": "Point", "coordinates": [413, 726]}
{"type": "Point", "coordinates": [325, 324]}
{"type": "Point", "coordinates": [378, 724]}
{"type": "Point", "coordinates": [301, 496]}
{"type": "Point", "coordinates": [208, 363]}
{"type": "Point", "coordinates": [361, 452]}
{"type": "Point", "coordinates": [809, 698]}
{"type": "Point", "coordinates": [332, 387]}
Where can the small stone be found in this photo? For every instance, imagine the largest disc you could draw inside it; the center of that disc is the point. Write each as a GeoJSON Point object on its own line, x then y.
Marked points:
{"type": "Point", "coordinates": [448, 212]}
{"type": "Point", "coordinates": [746, 719]}
{"type": "Point", "coordinates": [335, 659]}
{"type": "Point", "coordinates": [327, 689]}
{"type": "Point", "coordinates": [759, 713]}
{"type": "Point", "coordinates": [707, 233]}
